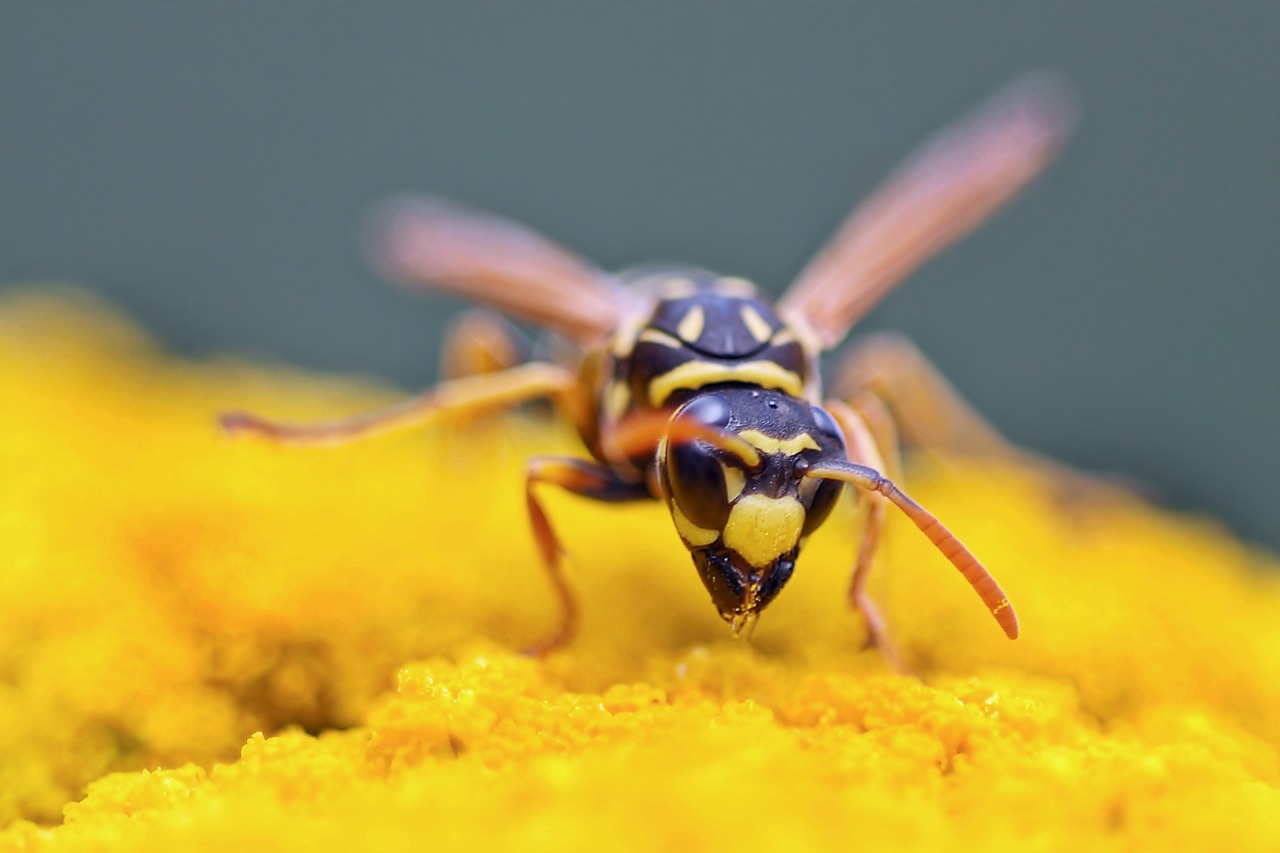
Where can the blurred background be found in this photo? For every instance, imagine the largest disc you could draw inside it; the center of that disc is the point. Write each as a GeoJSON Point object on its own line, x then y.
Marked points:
{"type": "Point", "coordinates": [207, 168]}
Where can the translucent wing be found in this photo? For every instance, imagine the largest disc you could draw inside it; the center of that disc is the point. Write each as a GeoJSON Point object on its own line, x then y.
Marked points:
{"type": "Point", "coordinates": [425, 242]}
{"type": "Point", "coordinates": [943, 191]}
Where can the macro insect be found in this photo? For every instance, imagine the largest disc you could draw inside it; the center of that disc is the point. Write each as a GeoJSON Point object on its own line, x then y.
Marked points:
{"type": "Point", "coordinates": [697, 390]}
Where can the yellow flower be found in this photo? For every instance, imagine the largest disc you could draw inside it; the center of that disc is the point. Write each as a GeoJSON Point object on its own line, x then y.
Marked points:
{"type": "Point", "coordinates": [316, 648]}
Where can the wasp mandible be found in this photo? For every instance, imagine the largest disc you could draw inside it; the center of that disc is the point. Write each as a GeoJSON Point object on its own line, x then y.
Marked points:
{"type": "Point", "coordinates": [695, 389]}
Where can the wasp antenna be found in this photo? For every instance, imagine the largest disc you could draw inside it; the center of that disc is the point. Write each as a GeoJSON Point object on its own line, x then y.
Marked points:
{"type": "Point", "coordinates": [642, 432]}
{"type": "Point", "coordinates": [943, 539]}
{"type": "Point", "coordinates": [685, 430]}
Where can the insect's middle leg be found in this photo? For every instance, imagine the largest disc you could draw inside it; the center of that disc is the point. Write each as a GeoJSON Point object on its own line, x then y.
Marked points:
{"type": "Point", "coordinates": [926, 409]}
{"type": "Point", "coordinates": [479, 342]}
{"type": "Point", "coordinates": [887, 372]}
{"type": "Point", "coordinates": [581, 477]}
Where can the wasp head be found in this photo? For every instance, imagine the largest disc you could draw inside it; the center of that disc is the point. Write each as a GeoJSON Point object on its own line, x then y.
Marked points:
{"type": "Point", "coordinates": [743, 506]}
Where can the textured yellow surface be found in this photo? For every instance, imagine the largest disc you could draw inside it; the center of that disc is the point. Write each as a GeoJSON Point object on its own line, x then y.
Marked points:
{"type": "Point", "coordinates": [166, 593]}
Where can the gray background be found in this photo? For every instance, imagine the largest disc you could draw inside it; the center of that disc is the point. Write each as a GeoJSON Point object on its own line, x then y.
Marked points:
{"type": "Point", "coordinates": [207, 167]}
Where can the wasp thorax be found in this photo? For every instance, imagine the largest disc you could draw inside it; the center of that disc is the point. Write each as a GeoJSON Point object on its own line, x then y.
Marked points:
{"type": "Point", "coordinates": [742, 505]}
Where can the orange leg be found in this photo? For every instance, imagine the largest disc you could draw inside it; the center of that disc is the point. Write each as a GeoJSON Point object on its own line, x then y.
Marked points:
{"type": "Point", "coordinates": [581, 477]}
{"type": "Point", "coordinates": [930, 414]}
{"type": "Point", "coordinates": [927, 410]}
{"type": "Point", "coordinates": [879, 419]}
{"type": "Point", "coordinates": [481, 342]}
{"type": "Point", "coordinates": [469, 395]}
{"type": "Point", "coordinates": [870, 480]}
{"type": "Point", "coordinates": [863, 450]}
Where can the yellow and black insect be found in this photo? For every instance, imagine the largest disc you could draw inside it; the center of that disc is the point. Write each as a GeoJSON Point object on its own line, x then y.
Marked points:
{"type": "Point", "coordinates": [695, 389]}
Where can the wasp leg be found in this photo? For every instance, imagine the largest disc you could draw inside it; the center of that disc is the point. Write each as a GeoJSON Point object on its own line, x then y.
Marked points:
{"type": "Point", "coordinates": [472, 394]}
{"type": "Point", "coordinates": [581, 477]}
{"type": "Point", "coordinates": [863, 449]}
{"type": "Point", "coordinates": [870, 480]}
{"type": "Point", "coordinates": [480, 342]}
{"type": "Point", "coordinates": [929, 413]}
{"type": "Point", "coordinates": [879, 419]}
{"type": "Point", "coordinates": [928, 410]}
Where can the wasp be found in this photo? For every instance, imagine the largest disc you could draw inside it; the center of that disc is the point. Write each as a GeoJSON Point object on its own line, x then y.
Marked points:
{"type": "Point", "coordinates": [697, 390]}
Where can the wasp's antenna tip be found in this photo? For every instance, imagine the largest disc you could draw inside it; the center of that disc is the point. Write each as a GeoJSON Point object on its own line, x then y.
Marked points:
{"type": "Point", "coordinates": [1007, 618]}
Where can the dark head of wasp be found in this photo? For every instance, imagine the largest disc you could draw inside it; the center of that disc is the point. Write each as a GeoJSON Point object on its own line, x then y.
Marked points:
{"type": "Point", "coordinates": [745, 508]}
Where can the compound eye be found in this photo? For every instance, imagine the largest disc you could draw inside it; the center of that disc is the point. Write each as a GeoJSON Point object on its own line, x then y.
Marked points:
{"type": "Point", "coordinates": [695, 475]}
{"type": "Point", "coordinates": [709, 409]}
{"type": "Point", "coordinates": [822, 420]}
{"type": "Point", "coordinates": [820, 496]}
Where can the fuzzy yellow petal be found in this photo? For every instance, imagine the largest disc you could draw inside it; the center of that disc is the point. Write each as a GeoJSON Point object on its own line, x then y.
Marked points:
{"type": "Point", "coordinates": [318, 648]}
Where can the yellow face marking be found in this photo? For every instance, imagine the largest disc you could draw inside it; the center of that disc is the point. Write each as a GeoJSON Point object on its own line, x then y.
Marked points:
{"type": "Point", "coordinates": [690, 532]}
{"type": "Point", "coordinates": [616, 400]}
{"type": "Point", "coordinates": [762, 529]}
{"type": "Point", "coordinates": [691, 324]}
{"type": "Point", "coordinates": [734, 482]}
{"type": "Point", "coordinates": [693, 375]}
{"type": "Point", "coordinates": [732, 285]}
{"type": "Point", "coordinates": [790, 446]}
{"type": "Point", "coordinates": [756, 325]}
{"type": "Point", "coordinates": [661, 338]}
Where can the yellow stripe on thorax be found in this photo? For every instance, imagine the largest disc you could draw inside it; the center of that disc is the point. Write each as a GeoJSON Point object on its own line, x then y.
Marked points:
{"type": "Point", "coordinates": [758, 326]}
{"type": "Point", "coordinates": [661, 338]}
{"type": "Point", "coordinates": [617, 399]}
{"type": "Point", "coordinates": [693, 375]}
{"type": "Point", "coordinates": [691, 324]}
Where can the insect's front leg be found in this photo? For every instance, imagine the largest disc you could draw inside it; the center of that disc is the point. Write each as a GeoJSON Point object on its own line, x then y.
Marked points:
{"type": "Point", "coordinates": [880, 488]}
{"type": "Point", "coordinates": [581, 477]}
{"type": "Point", "coordinates": [864, 449]}
{"type": "Point", "coordinates": [469, 395]}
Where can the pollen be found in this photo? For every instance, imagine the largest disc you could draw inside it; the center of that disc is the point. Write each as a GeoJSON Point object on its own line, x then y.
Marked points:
{"type": "Point", "coordinates": [209, 643]}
